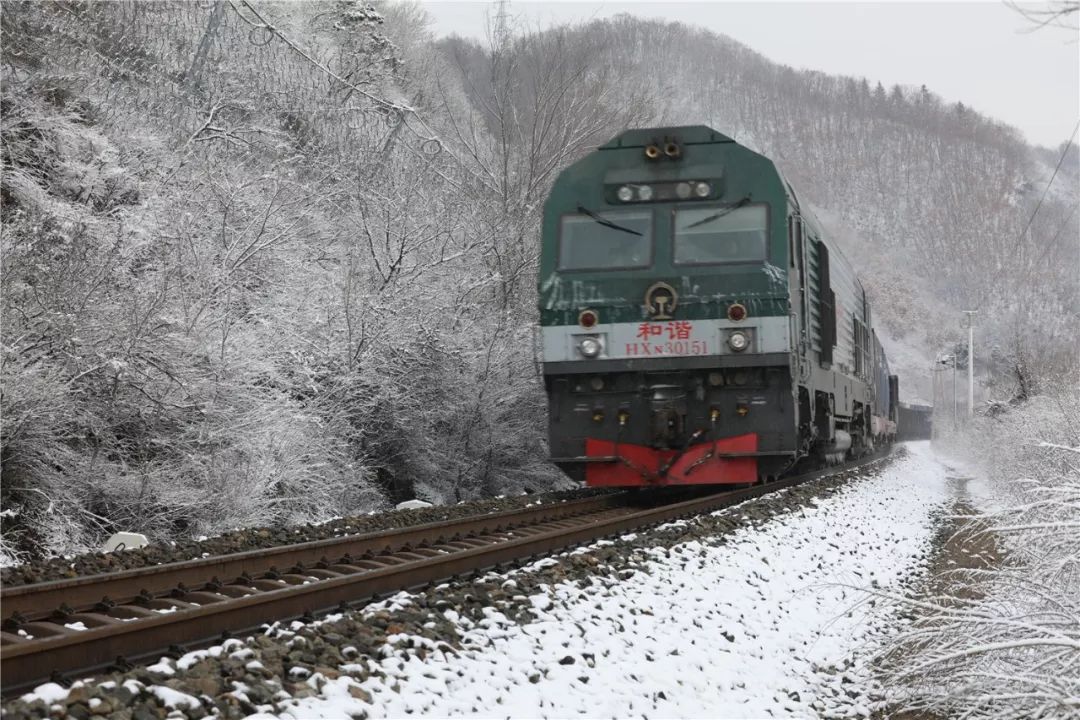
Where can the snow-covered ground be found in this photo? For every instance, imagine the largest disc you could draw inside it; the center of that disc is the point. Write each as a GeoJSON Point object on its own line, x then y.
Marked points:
{"type": "Point", "coordinates": [967, 482]}
{"type": "Point", "coordinates": [769, 621]}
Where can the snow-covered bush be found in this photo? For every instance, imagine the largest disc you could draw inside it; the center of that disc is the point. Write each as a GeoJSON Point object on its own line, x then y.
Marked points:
{"type": "Point", "coordinates": [1004, 641]}
{"type": "Point", "coordinates": [143, 387]}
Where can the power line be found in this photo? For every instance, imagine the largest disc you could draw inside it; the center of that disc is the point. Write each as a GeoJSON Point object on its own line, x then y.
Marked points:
{"type": "Point", "coordinates": [1053, 242]}
{"type": "Point", "coordinates": [1047, 189]}
{"type": "Point", "coordinates": [1020, 238]}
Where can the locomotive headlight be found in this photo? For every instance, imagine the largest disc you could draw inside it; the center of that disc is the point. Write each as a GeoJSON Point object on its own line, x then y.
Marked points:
{"type": "Point", "coordinates": [683, 190]}
{"type": "Point", "coordinates": [589, 347]}
{"type": "Point", "coordinates": [738, 341]}
{"type": "Point", "coordinates": [645, 193]}
{"type": "Point", "coordinates": [597, 383]}
{"type": "Point", "coordinates": [702, 189]}
{"type": "Point", "coordinates": [625, 193]}
{"type": "Point", "coordinates": [716, 378]}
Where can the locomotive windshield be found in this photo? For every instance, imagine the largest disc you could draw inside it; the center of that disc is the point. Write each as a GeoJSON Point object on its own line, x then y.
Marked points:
{"type": "Point", "coordinates": [721, 235]}
{"type": "Point", "coordinates": [606, 241]}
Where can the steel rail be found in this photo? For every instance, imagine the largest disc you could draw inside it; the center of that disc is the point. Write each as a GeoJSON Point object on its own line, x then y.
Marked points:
{"type": "Point", "coordinates": [40, 600]}
{"type": "Point", "coordinates": [24, 663]}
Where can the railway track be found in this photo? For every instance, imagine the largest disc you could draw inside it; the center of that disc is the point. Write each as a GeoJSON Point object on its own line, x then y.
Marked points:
{"type": "Point", "coordinates": [89, 624]}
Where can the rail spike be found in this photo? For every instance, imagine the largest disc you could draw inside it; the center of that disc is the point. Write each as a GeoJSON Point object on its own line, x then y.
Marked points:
{"type": "Point", "coordinates": [63, 612]}
{"type": "Point", "coordinates": [121, 664]}
{"type": "Point", "coordinates": [13, 623]}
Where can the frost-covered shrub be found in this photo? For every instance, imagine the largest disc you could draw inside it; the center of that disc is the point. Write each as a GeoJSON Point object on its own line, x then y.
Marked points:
{"type": "Point", "coordinates": [140, 388]}
{"type": "Point", "coordinates": [41, 508]}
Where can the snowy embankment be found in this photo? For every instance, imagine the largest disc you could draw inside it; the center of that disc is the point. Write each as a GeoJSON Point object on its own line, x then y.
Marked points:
{"type": "Point", "coordinates": [766, 621]}
{"type": "Point", "coordinates": [999, 631]}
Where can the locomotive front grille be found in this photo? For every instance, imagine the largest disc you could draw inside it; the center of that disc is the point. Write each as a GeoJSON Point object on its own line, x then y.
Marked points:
{"type": "Point", "coordinates": [668, 412]}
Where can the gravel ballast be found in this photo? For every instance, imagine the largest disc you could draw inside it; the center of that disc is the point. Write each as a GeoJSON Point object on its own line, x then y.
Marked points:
{"type": "Point", "coordinates": [602, 631]}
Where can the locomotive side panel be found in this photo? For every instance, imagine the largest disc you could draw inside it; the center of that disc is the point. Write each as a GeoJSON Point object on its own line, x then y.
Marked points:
{"type": "Point", "coordinates": [837, 381]}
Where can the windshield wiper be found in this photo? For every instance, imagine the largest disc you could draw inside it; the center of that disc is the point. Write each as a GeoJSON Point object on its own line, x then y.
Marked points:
{"type": "Point", "coordinates": [606, 223]}
{"type": "Point", "coordinates": [720, 214]}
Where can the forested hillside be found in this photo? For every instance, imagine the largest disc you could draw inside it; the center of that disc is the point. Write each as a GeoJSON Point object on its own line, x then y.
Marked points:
{"type": "Point", "coordinates": [274, 262]}
{"type": "Point", "coordinates": [930, 198]}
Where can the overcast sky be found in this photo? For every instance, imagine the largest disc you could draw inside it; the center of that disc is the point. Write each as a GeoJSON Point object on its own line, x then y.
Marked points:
{"type": "Point", "coordinates": [980, 53]}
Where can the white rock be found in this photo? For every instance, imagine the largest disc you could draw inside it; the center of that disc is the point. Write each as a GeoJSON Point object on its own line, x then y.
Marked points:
{"type": "Point", "coordinates": [412, 505]}
{"type": "Point", "coordinates": [125, 541]}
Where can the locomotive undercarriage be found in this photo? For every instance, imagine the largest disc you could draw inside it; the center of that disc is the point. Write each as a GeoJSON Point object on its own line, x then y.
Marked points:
{"type": "Point", "coordinates": [614, 418]}
{"type": "Point", "coordinates": [830, 437]}
{"type": "Point", "coordinates": [655, 427]}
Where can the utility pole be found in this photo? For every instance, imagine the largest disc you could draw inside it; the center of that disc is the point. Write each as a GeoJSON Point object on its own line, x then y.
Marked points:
{"type": "Point", "coordinates": [935, 372]}
{"type": "Point", "coordinates": [502, 23]}
{"type": "Point", "coordinates": [944, 361]}
{"type": "Point", "coordinates": [954, 392]}
{"type": "Point", "coordinates": [970, 318]}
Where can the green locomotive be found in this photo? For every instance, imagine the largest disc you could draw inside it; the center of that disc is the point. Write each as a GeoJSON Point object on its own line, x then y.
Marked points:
{"type": "Point", "coordinates": [698, 326]}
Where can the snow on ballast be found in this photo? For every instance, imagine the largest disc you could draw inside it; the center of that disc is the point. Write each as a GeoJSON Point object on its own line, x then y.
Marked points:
{"type": "Point", "coordinates": [771, 620]}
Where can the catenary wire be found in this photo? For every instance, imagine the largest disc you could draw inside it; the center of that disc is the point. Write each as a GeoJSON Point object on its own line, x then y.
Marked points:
{"type": "Point", "coordinates": [1031, 219]}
